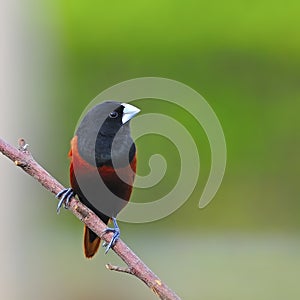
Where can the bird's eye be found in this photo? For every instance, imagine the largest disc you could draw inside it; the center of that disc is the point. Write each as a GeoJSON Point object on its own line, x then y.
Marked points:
{"type": "Point", "coordinates": [113, 114]}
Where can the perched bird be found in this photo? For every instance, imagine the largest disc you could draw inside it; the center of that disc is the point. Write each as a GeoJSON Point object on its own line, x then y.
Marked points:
{"type": "Point", "coordinates": [102, 166]}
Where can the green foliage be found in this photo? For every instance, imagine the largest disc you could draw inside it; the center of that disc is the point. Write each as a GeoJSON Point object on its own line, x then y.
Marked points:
{"type": "Point", "coordinates": [242, 57]}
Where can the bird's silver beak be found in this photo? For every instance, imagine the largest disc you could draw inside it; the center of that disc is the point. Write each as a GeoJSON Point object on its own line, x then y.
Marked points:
{"type": "Point", "coordinates": [129, 112]}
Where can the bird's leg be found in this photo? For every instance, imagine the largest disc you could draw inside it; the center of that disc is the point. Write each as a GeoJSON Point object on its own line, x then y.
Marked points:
{"type": "Point", "coordinates": [65, 195]}
{"type": "Point", "coordinates": [115, 237]}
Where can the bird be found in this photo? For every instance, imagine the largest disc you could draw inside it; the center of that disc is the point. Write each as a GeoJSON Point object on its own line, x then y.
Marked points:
{"type": "Point", "coordinates": [102, 167]}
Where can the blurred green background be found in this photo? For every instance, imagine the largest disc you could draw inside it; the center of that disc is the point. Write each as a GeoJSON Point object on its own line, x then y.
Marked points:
{"type": "Point", "coordinates": [243, 57]}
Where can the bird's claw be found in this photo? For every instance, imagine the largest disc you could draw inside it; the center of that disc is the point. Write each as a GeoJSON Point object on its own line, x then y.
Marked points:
{"type": "Point", "coordinates": [64, 195]}
{"type": "Point", "coordinates": [115, 237]}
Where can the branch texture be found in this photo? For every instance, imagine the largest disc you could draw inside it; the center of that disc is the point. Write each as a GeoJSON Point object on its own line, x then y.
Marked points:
{"type": "Point", "coordinates": [135, 266]}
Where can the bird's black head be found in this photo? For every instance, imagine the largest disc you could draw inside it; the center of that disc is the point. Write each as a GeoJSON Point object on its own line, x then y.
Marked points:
{"type": "Point", "coordinates": [103, 125]}
{"type": "Point", "coordinates": [113, 122]}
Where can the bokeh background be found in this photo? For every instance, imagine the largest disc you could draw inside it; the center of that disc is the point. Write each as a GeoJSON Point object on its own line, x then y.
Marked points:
{"type": "Point", "coordinates": [244, 58]}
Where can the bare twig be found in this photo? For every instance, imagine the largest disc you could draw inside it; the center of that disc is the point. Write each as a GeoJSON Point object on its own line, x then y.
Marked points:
{"type": "Point", "coordinates": [119, 269]}
{"type": "Point", "coordinates": [23, 159]}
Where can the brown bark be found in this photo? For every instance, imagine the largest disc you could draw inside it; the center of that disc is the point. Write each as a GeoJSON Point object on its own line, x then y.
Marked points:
{"type": "Point", "coordinates": [135, 266]}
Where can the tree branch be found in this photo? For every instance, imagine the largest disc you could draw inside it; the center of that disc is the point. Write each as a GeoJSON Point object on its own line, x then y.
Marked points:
{"type": "Point", "coordinates": [23, 159]}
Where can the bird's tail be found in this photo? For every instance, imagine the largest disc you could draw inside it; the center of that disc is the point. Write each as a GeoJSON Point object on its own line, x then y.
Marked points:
{"type": "Point", "coordinates": [91, 242]}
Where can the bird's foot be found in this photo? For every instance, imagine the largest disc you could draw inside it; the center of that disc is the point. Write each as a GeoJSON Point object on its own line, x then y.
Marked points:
{"type": "Point", "coordinates": [64, 195]}
{"type": "Point", "coordinates": [115, 237]}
